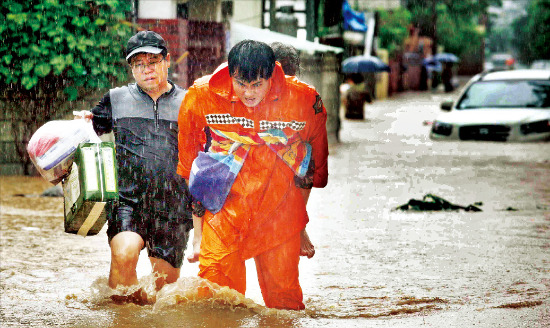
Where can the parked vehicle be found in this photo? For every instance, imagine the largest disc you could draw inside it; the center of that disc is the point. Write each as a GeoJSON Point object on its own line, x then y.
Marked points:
{"type": "Point", "coordinates": [541, 64]}
{"type": "Point", "coordinates": [502, 62]}
{"type": "Point", "coordinates": [509, 105]}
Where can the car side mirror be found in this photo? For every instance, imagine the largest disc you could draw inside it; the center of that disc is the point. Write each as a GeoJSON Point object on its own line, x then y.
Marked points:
{"type": "Point", "coordinates": [446, 105]}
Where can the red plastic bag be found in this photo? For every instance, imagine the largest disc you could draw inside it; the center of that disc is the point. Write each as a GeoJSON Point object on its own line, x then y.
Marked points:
{"type": "Point", "coordinates": [52, 147]}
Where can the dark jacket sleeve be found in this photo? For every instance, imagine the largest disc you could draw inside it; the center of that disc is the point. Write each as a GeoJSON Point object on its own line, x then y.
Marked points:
{"type": "Point", "coordinates": [103, 115]}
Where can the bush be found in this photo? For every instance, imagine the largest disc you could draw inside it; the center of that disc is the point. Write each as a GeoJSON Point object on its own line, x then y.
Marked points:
{"type": "Point", "coordinates": [392, 29]}
{"type": "Point", "coordinates": [56, 51]}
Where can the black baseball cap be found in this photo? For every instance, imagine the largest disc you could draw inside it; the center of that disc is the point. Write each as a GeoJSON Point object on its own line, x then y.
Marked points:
{"type": "Point", "coordinates": [145, 41]}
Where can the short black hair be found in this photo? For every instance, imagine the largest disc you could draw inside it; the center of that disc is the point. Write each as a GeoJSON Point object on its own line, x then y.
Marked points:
{"type": "Point", "coordinates": [288, 56]}
{"type": "Point", "coordinates": [251, 60]}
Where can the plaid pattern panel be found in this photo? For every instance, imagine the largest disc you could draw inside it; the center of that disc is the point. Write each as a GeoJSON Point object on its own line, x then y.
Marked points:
{"type": "Point", "coordinates": [228, 119]}
{"type": "Point", "coordinates": [279, 125]}
{"type": "Point", "coordinates": [248, 123]}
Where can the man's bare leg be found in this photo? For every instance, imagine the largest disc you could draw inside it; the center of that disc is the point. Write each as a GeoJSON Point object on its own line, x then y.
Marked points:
{"type": "Point", "coordinates": [197, 236]}
{"type": "Point", "coordinates": [306, 247]}
{"type": "Point", "coordinates": [165, 272]}
{"type": "Point", "coordinates": [125, 249]}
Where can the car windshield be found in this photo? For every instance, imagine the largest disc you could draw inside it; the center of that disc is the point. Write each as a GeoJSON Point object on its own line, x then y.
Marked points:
{"type": "Point", "coordinates": [506, 94]}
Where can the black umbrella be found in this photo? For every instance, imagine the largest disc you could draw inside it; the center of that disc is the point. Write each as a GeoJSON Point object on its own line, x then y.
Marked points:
{"type": "Point", "coordinates": [364, 64]}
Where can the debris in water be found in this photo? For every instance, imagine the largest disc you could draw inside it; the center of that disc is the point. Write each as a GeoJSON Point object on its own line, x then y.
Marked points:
{"type": "Point", "coordinates": [518, 305]}
{"type": "Point", "coordinates": [55, 191]}
{"type": "Point", "coordinates": [434, 203]}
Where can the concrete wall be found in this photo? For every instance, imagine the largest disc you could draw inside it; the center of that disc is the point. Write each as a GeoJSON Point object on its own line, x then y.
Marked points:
{"type": "Point", "coordinates": [157, 9]}
{"type": "Point", "coordinates": [175, 32]}
{"type": "Point", "coordinates": [196, 47]}
{"type": "Point", "coordinates": [322, 72]}
{"type": "Point", "coordinates": [248, 12]}
{"type": "Point", "coordinates": [205, 10]}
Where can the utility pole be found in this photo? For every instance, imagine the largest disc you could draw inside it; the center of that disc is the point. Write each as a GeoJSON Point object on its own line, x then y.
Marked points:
{"type": "Point", "coordinates": [272, 12]}
{"type": "Point", "coordinates": [311, 22]}
{"type": "Point", "coordinates": [434, 27]}
{"type": "Point", "coordinates": [134, 13]}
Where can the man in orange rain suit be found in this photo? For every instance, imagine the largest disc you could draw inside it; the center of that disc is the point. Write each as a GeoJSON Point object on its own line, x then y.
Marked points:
{"type": "Point", "coordinates": [264, 212]}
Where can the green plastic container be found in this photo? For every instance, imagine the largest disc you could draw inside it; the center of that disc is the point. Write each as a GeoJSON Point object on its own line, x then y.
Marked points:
{"type": "Point", "coordinates": [90, 186]}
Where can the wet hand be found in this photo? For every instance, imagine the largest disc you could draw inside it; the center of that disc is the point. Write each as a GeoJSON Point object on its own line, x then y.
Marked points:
{"type": "Point", "coordinates": [194, 257]}
{"type": "Point", "coordinates": [197, 237]}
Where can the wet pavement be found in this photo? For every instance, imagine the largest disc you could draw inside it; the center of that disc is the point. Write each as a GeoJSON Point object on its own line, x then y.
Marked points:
{"type": "Point", "coordinates": [374, 266]}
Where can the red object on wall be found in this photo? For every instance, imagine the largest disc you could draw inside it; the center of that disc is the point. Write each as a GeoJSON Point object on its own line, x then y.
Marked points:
{"type": "Point", "coordinates": [206, 46]}
{"type": "Point", "coordinates": [196, 47]}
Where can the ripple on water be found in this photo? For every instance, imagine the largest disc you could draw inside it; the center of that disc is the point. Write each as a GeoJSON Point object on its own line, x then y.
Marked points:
{"type": "Point", "coordinates": [18, 212]}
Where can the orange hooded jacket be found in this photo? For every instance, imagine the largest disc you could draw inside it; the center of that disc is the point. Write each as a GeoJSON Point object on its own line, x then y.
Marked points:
{"type": "Point", "coordinates": [264, 207]}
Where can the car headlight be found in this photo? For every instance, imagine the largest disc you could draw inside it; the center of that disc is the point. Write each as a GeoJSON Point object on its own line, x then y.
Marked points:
{"type": "Point", "coordinates": [441, 128]}
{"type": "Point", "coordinates": [535, 127]}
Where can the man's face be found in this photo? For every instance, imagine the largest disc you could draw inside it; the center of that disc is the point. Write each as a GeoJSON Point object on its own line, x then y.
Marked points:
{"type": "Point", "coordinates": [251, 93]}
{"type": "Point", "coordinates": [150, 71]}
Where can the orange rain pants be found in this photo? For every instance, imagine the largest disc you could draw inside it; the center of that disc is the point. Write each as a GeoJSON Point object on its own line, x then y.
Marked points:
{"type": "Point", "coordinates": [277, 269]}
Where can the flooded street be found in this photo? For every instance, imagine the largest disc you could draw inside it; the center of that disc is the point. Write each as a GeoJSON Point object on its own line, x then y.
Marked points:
{"type": "Point", "coordinates": [374, 266]}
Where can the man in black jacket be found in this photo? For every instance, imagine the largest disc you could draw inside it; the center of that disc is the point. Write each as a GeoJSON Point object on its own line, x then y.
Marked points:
{"type": "Point", "coordinates": [153, 209]}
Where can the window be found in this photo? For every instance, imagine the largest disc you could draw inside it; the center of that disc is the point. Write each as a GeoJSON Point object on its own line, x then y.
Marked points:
{"type": "Point", "coordinates": [507, 94]}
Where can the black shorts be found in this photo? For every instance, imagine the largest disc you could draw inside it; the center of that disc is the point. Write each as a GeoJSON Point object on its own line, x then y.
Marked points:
{"type": "Point", "coordinates": [165, 236]}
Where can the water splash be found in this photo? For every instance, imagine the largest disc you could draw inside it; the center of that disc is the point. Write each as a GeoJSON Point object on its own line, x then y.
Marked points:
{"type": "Point", "coordinates": [187, 292]}
{"type": "Point", "coordinates": [195, 290]}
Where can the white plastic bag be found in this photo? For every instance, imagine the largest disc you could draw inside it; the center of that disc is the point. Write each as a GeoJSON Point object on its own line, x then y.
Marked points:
{"type": "Point", "coordinates": [53, 145]}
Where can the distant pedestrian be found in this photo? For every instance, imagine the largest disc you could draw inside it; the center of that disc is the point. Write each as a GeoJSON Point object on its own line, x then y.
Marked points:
{"type": "Point", "coordinates": [447, 77]}
{"type": "Point", "coordinates": [356, 96]}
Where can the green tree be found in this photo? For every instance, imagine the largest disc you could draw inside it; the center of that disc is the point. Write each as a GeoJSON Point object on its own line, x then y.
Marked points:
{"type": "Point", "coordinates": [53, 52]}
{"type": "Point", "coordinates": [499, 39]}
{"type": "Point", "coordinates": [521, 39]}
{"type": "Point", "coordinates": [533, 32]}
{"type": "Point", "coordinates": [458, 34]}
{"type": "Point", "coordinates": [453, 23]}
{"type": "Point", "coordinates": [392, 29]}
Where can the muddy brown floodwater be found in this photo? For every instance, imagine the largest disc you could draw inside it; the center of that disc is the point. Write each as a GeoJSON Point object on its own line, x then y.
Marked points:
{"type": "Point", "coordinates": [373, 267]}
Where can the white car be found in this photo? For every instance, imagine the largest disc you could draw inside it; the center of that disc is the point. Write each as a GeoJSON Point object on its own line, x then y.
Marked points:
{"type": "Point", "coordinates": [541, 64]}
{"type": "Point", "coordinates": [498, 106]}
